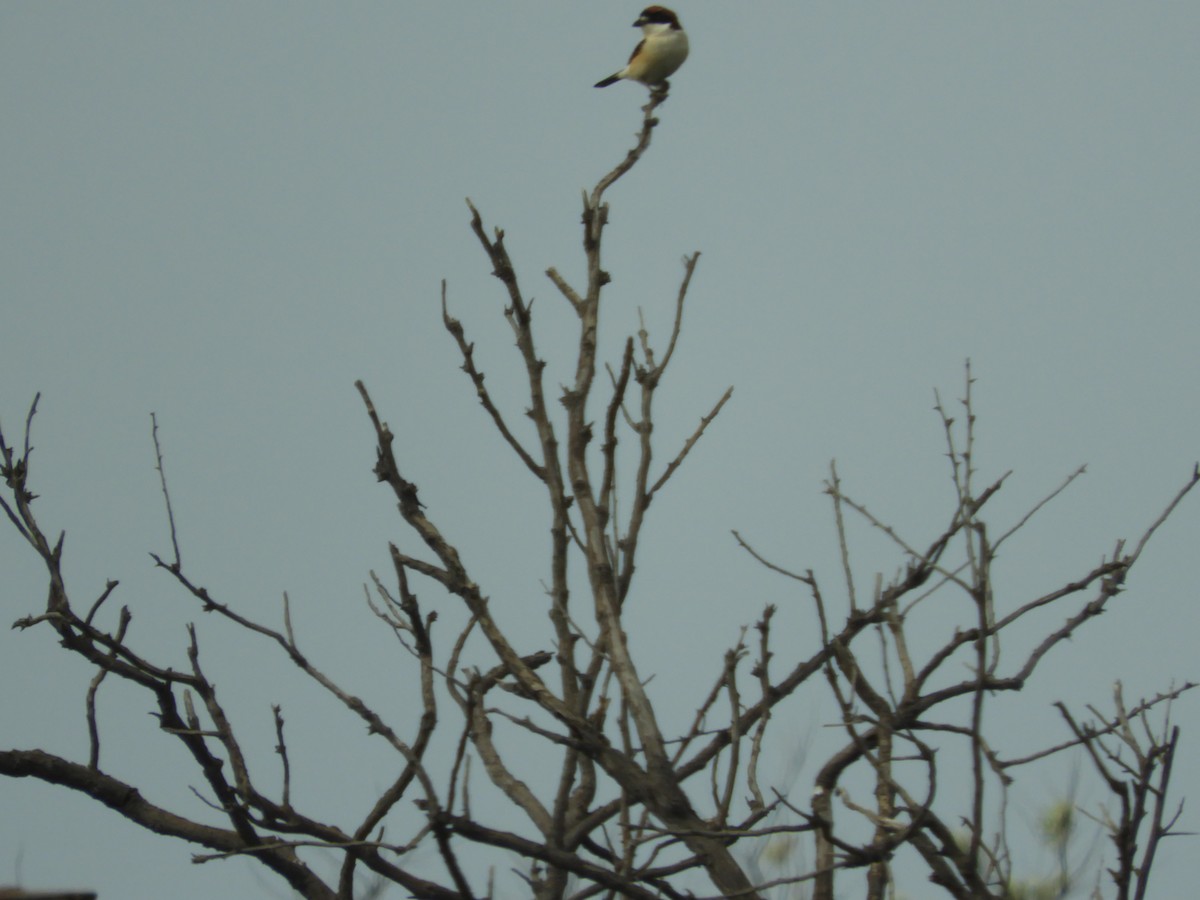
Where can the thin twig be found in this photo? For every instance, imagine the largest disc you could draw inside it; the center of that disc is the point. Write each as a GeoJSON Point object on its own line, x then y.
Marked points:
{"type": "Point", "coordinates": [162, 476]}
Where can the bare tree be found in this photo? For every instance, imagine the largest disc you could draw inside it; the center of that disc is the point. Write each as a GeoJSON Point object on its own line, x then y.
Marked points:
{"type": "Point", "coordinates": [631, 810]}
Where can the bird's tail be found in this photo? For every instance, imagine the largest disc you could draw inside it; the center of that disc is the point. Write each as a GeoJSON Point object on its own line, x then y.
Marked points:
{"type": "Point", "coordinates": [611, 79]}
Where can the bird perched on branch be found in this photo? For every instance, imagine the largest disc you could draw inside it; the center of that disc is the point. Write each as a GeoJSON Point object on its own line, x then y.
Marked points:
{"type": "Point", "coordinates": [662, 50]}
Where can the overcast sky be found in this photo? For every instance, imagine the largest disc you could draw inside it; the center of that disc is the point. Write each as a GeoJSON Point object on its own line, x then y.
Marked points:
{"type": "Point", "coordinates": [225, 213]}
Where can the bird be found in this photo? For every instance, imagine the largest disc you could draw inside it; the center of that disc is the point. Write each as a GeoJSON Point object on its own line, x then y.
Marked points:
{"type": "Point", "coordinates": [662, 49]}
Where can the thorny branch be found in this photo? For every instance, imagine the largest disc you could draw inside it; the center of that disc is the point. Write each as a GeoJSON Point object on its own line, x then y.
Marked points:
{"type": "Point", "coordinates": [614, 814]}
{"type": "Point", "coordinates": [876, 712]}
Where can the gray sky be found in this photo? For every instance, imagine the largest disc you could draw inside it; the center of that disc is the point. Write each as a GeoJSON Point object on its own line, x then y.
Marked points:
{"type": "Point", "coordinates": [226, 212]}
